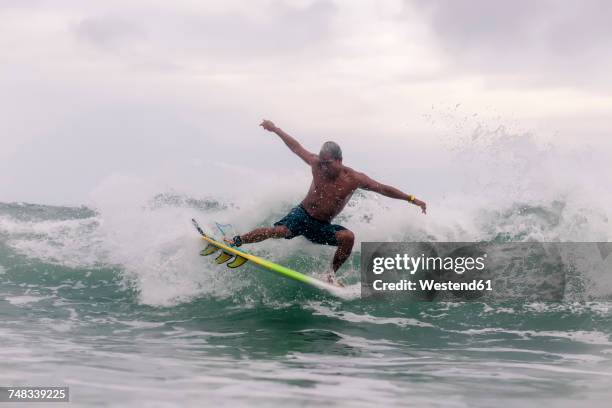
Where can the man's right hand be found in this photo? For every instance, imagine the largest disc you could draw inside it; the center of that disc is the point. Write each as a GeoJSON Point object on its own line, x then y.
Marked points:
{"type": "Point", "coordinates": [421, 204]}
{"type": "Point", "coordinates": [268, 125]}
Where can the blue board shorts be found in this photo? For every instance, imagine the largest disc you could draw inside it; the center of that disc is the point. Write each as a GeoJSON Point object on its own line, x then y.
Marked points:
{"type": "Point", "coordinates": [300, 222]}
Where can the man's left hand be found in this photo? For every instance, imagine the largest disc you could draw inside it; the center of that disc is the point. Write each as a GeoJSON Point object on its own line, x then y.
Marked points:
{"type": "Point", "coordinates": [421, 204]}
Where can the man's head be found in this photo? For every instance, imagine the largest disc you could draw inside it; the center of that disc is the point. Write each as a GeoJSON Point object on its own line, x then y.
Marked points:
{"type": "Point", "coordinates": [330, 158]}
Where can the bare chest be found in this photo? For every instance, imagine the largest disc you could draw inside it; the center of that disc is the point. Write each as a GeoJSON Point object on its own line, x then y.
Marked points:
{"type": "Point", "coordinates": [336, 190]}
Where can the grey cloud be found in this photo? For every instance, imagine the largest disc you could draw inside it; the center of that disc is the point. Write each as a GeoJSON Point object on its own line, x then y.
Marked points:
{"type": "Point", "coordinates": [106, 31]}
{"type": "Point", "coordinates": [19, 4]}
{"type": "Point", "coordinates": [543, 40]}
{"type": "Point", "coordinates": [285, 29]}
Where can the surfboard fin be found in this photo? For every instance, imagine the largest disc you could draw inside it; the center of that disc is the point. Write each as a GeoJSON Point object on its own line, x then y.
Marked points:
{"type": "Point", "coordinates": [238, 261]}
{"type": "Point", "coordinates": [210, 249]}
{"type": "Point", "coordinates": [223, 257]}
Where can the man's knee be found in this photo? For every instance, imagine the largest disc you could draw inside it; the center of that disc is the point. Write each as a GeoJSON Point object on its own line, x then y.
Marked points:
{"type": "Point", "coordinates": [345, 238]}
{"type": "Point", "coordinates": [281, 231]}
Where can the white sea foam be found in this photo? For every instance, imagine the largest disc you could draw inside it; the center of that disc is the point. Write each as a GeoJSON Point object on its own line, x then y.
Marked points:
{"type": "Point", "coordinates": [320, 309]}
{"type": "Point", "coordinates": [25, 299]}
{"type": "Point", "coordinates": [72, 243]}
{"type": "Point", "coordinates": [584, 336]}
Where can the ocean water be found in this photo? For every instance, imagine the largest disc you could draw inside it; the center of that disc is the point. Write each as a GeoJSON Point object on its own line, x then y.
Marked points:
{"type": "Point", "coordinates": [114, 302]}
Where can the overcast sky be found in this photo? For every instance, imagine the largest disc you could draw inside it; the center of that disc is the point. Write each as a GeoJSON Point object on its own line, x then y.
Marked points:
{"type": "Point", "coordinates": [172, 89]}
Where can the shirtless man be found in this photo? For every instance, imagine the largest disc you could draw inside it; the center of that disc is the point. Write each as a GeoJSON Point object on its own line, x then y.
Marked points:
{"type": "Point", "coordinates": [332, 186]}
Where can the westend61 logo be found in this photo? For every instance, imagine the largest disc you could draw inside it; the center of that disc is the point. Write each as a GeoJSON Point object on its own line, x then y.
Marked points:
{"type": "Point", "coordinates": [531, 271]}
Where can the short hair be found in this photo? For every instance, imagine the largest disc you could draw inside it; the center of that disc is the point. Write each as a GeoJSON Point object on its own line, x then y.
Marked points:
{"type": "Point", "coordinates": [332, 149]}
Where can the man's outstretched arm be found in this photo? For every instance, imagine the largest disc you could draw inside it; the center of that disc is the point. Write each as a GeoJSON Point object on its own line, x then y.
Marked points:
{"type": "Point", "coordinates": [291, 143]}
{"type": "Point", "coordinates": [367, 183]}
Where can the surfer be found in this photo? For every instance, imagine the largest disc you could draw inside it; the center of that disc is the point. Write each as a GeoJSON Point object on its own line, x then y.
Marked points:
{"type": "Point", "coordinates": [332, 186]}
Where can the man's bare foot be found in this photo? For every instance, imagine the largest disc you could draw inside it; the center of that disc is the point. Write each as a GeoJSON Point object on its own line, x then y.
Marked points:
{"type": "Point", "coordinates": [331, 279]}
{"type": "Point", "coordinates": [229, 242]}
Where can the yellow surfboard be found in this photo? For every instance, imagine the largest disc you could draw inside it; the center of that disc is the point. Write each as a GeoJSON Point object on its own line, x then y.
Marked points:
{"type": "Point", "coordinates": [236, 258]}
